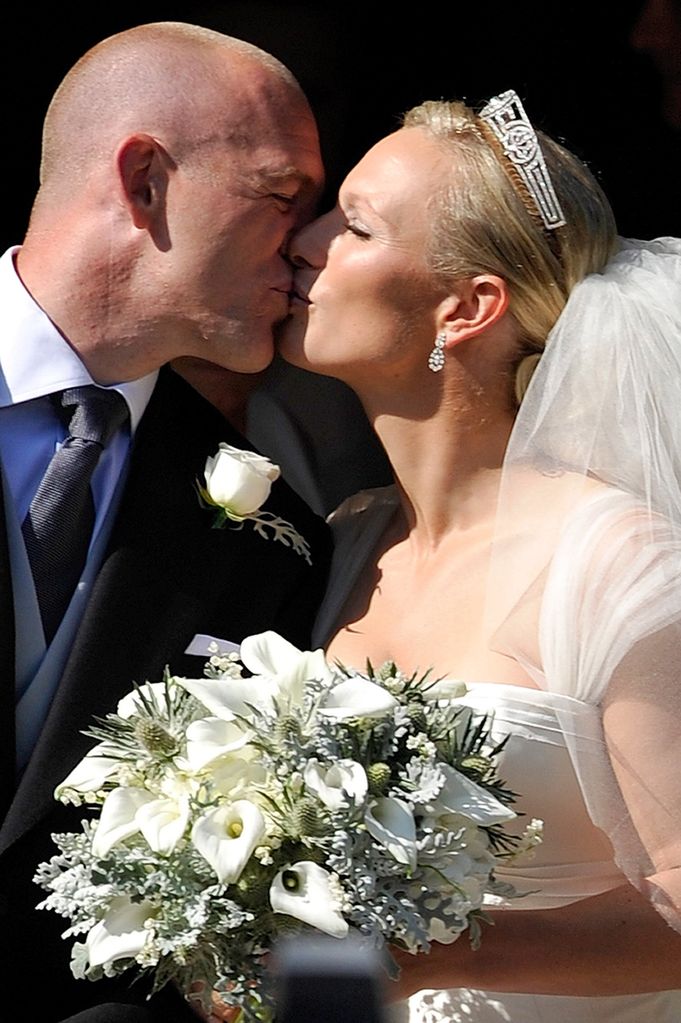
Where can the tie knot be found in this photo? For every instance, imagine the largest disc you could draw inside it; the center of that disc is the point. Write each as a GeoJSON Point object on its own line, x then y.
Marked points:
{"type": "Point", "coordinates": [97, 413]}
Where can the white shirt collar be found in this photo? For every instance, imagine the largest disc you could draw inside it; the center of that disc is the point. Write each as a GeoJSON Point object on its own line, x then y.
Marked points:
{"type": "Point", "coordinates": [34, 357]}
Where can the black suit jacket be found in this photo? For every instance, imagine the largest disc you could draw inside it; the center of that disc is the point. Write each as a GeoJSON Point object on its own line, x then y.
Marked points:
{"type": "Point", "coordinates": [166, 576]}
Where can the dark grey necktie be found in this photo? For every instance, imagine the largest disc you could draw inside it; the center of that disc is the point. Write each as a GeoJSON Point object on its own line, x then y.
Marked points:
{"type": "Point", "coordinates": [58, 527]}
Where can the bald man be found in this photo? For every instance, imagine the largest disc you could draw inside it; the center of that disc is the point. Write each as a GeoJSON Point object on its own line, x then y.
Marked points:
{"type": "Point", "coordinates": [176, 163]}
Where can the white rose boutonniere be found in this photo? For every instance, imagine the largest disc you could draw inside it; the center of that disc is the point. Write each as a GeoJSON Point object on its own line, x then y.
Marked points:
{"type": "Point", "coordinates": [237, 484]}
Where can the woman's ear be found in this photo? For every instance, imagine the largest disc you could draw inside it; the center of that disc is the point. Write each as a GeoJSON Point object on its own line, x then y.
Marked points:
{"type": "Point", "coordinates": [143, 177]}
{"type": "Point", "coordinates": [475, 305]}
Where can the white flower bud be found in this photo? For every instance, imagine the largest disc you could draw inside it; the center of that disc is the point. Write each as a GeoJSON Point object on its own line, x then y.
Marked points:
{"type": "Point", "coordinates": [239, 481]}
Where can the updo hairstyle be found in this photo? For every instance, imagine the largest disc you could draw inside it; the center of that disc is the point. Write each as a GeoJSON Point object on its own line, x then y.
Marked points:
{"type": "Point", "coordinates": [484, 221]}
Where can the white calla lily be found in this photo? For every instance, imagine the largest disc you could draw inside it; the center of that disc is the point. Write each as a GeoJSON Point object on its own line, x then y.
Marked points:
{"type": "Point", "coordinates": [230, 697]}
{"type": "Point", "coordinates": [391, 822]}
{"type": "Point", "coordinates": [90, 774]}
{"type": "Point", "coordinates": [357, 698]}
{"type": "Point", "coordinates": [287, 668]}
{"type": "Point", "coordinates": [163, 822]}
{"type": "Point", "coordinates": [342, 782]}
{"type": "Point", "coordinates": [131, 704]}
{"type": "Point", "coordinates": [461, 795]}
{"type": "Point", "coordinates": [227, 836]}
{"type": "Point", "coordinates": [307, 892]}
{"type": "Point", "coordinates": [211, 738]}
{"type": "Point", "coordinates": [121, 934]}
{"type": "Point", "coordinates": [118, 819]}
{"type": "Point", "coordinates": [444, 689]}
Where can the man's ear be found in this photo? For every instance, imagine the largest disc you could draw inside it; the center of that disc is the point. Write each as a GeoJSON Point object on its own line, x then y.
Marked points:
{"type": "Point", "coordinates": [475, 305]}
{"type": "Point", "coordinates": [142, 168]}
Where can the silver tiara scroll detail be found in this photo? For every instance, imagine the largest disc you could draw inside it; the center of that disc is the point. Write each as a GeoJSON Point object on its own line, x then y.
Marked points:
{"type": "Point", "coordinates": [506, 117]}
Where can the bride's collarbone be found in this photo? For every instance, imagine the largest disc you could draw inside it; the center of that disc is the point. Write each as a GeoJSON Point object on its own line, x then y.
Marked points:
{"type": "Point", "coordinates": [416, 648]}
{"type": "Point", "coordinates": [425, 620]}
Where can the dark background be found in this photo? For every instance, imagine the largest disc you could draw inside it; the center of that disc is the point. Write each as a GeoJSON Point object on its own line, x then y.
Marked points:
{"type": "Point", "coordinates": [362, 64]}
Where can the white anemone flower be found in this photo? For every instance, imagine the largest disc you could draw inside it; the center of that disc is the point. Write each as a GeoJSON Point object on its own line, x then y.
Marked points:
{"type": "Point", "coordinates": [285, 667]}
{"type": "Point", "coordinates": [163, 822]}
{"type": "Point", "coordinates": [90, 774]}
{"type": "Point", "coordinates": [118, 819]}
{"type": "Point", "coordinates": [121, 934]}
{"type": "Point", "coordinates": [307, 892]}
{"type": "Point", "coordinates": [343, 782]}
{"type": "Point", "coordinates": [227, 836]}
{"type": "Point", "coordinates": [357, 698]}
{"type": "Point", "coordinates": [461, 795]}
{"type": "Point", "coordinates": [211, 738]}
{"type": "Point", "coordinates": [391, 822]}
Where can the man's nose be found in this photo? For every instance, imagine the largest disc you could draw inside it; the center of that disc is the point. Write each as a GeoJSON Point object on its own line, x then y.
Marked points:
{"type": "Point", "coordinates": [296, 259]}
{"type": "Point", "coordinates": [309, 245]}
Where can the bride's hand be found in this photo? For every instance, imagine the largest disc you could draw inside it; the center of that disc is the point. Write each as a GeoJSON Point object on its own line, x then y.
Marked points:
{"type": "Point", "coordinates": [220, 1011]}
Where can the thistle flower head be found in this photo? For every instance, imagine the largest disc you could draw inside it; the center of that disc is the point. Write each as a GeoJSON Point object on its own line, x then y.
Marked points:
{"type": "Point", "coordinates": [308, 818]}
{"type": "Point", "coordinates": [378, 776]}
{"type": "Point", "coordinates": [154, 737]}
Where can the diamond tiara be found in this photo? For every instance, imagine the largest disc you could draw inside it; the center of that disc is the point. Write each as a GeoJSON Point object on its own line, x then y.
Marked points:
{"type": "Point", "coordinates": [506, 117]}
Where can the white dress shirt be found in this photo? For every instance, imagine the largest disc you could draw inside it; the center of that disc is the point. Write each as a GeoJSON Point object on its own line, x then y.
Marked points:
{"type": "Point", "coordinates": [35, 361]}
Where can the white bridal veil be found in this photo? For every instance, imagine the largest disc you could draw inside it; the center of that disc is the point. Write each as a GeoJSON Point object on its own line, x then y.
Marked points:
{"type": "Point", "coordinates": [585, 586]}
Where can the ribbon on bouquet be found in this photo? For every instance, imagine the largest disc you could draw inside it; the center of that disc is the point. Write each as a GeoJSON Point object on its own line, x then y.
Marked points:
{"type": "Point", "coordinates": [207, 646]}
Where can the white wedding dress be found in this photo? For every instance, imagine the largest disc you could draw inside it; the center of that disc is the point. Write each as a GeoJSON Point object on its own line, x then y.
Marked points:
{"type": "Point", "coordinates": [556, 758]}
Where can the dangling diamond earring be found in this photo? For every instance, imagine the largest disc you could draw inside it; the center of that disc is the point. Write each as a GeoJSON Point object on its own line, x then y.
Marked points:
{"type": "Point", "coordinates": [436, 359]}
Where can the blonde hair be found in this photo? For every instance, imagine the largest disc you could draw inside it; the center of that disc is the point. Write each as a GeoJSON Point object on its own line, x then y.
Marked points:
{"type": "Point", "coordinates": [484, 221]}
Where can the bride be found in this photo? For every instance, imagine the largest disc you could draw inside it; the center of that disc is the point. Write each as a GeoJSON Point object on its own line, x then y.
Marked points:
{"type": "Point", "coordinates": [530, 544]}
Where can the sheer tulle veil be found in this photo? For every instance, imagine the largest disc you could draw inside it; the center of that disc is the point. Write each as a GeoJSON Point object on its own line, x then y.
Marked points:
{"type": "Point", "coordinates": [587, 548]}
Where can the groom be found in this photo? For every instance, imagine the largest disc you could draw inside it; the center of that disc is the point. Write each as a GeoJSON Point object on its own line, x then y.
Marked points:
{"type": "Point", "coordinates": [176, 162]}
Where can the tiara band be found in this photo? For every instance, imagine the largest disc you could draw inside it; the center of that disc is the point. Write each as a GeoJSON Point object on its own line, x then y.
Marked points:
{"type": "Point", "coordinates": [506, 117]}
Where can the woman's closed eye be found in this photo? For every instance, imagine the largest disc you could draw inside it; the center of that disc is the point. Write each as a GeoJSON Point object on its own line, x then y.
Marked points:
{"type": "Point", "coordinates": [356, 229]}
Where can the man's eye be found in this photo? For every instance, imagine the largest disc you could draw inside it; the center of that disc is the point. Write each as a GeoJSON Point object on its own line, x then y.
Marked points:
{"type": "Point", "coordinates": [285, 200]}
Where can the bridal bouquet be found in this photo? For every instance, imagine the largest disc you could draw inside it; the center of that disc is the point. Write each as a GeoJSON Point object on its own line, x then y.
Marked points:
{"type": "Point", "coordinates": [234, 809]}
